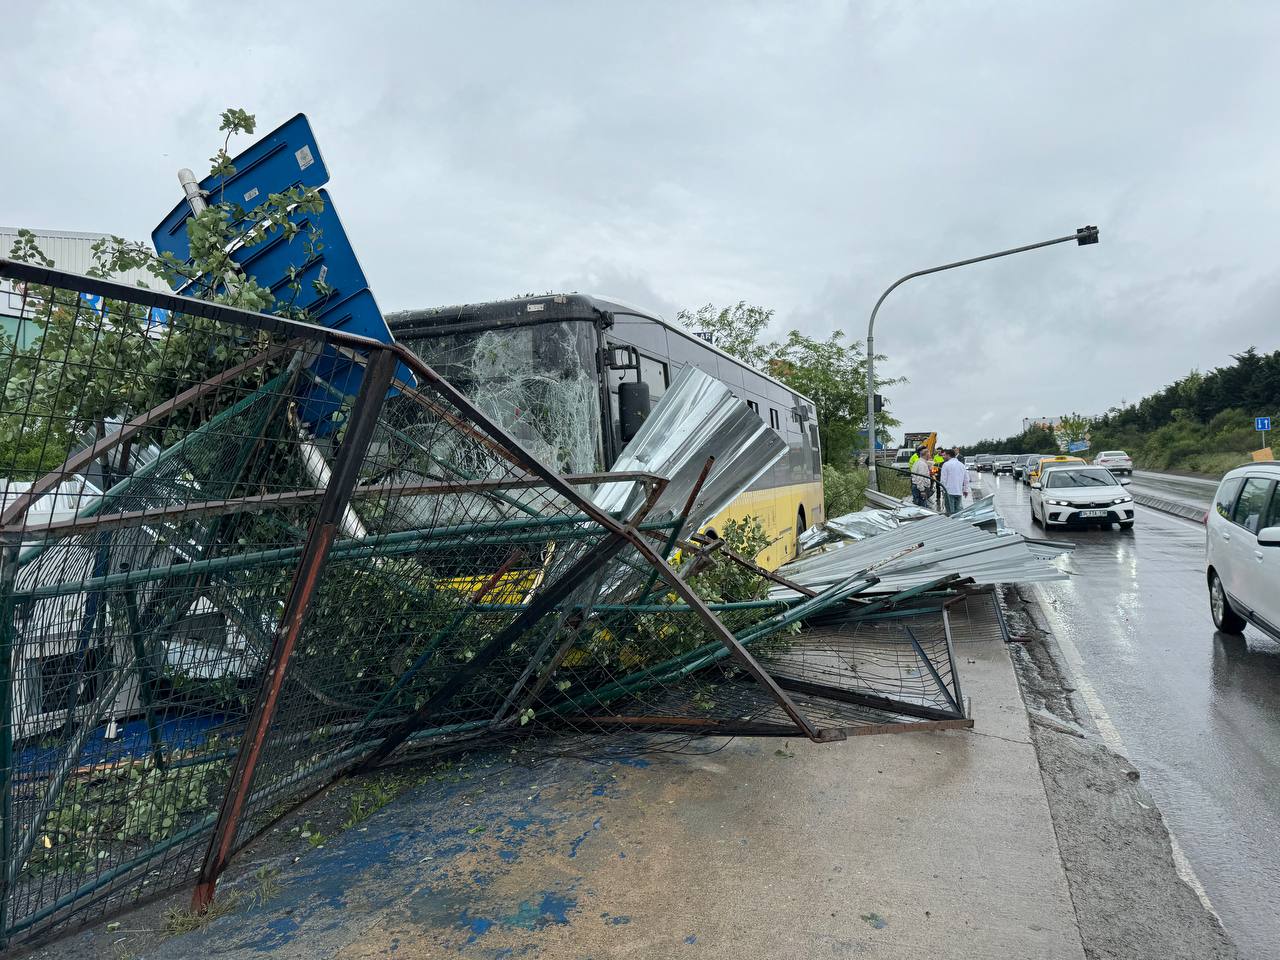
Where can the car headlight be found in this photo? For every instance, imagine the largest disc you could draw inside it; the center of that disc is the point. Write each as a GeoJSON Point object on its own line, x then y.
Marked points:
{"type": "Point", "coordinates": [1123, 500]}
{"type": "Point", "coordinates": [1059, 503]}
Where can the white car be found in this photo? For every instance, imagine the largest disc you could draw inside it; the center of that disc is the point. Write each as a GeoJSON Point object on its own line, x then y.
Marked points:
{"type": "Point", "coordinates": [1117, 461]}
{"type": "Point", "coordinates": [1071, 493]}
{"type": "Point", "coordinates": [1242, 549]}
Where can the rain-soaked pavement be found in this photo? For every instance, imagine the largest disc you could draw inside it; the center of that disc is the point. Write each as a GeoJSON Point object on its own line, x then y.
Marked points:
{"type": "Point", "coordinates": [1198, 712]}
{"type": "Point", "coordinates": [1193, 490]}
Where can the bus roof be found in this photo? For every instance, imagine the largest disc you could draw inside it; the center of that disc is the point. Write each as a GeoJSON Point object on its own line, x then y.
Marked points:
{"type": "Point", "coordinates": [544, 309]}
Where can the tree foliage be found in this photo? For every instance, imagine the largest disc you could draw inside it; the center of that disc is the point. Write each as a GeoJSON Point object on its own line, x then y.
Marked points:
{"type": "Point", "coordinates": [1201, 422]}
{"type": "Point", "coordinates": [831, 372]}
{"type": "Point", "coordinates": [1035, 439]}
{"type": "Point", "coordinates": [1072, 427]}
{"type": "Point", "coordinates": [62, 401]}
{"type": "Point", "coordinates": [737, 330]}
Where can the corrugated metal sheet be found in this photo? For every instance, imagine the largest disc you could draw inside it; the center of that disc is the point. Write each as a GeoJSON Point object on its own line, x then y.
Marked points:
{"type": "Point", "coordinates": [946, 546]}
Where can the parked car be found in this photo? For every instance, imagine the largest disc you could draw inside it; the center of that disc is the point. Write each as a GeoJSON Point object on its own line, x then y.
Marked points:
{"type": "Point", "coordinates": [1066, 493]}
{"type": "Point", "coordinates": [980, 462]}
{"type": "Point", "coordinates": [1117, 461]}
{"type": "Point", "coordinates": [1242, 549]}
{"type": "Point", "coordinates": [1022, 466]}
{"type": "Point", "coordinates": [1038, 464]}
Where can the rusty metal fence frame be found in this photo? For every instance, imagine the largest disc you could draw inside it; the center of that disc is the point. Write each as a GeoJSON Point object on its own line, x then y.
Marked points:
{"type": "Point", "coordinates": [610, 540]}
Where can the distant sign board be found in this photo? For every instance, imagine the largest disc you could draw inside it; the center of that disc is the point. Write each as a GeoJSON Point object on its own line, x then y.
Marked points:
{"type": "Point", "coordinates": [1077, 446]}
{"type": "Point", "coordinates": [1262, 423]}
{"type": "Point", "coordinates": [289, 157]}
{"type": "Point", "coordinates": [862, 441]}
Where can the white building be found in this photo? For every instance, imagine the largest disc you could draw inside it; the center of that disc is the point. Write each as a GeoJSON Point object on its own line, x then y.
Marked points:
{"type": "Point", "coordinates": [70, 251]}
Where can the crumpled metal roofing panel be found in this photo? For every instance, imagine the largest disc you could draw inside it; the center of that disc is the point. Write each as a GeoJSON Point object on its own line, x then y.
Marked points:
{"type": "Point", "coordinates": [946, 545]}
{"type": "Point", "coordinates": [698, 417]}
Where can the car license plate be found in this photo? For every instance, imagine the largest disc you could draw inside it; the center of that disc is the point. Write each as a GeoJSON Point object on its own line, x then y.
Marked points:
{"type": "Point", "coordinates": [1093, 513]}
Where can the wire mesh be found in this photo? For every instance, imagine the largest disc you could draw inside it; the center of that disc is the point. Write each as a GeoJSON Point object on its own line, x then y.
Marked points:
{"type": "Point", "coordinates": [212, 604]}
{"type": "Point", "coordinates": [209, 608]}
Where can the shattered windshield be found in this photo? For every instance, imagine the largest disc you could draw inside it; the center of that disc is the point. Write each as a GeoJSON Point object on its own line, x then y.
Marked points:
{"type": "Point", "coordinates": [538, 382]}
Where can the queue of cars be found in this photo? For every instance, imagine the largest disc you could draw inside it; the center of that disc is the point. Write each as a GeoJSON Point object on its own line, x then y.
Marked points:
{"type": "Point", "coordinates": [1242, 528]}
{"type": "Point", "coordinates": [1066, 489]}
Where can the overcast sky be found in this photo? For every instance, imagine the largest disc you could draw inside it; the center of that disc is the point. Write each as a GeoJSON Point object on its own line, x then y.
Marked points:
{"type": "Point", "coordinates": [800, 156]}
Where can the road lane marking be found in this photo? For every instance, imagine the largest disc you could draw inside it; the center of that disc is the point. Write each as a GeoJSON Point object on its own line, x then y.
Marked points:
{"type": "Point", "coordinates": [1111, 737]}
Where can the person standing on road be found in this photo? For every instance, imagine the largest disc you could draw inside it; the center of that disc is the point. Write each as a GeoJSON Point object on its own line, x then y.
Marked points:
{"type": "Point", "coordinates": [921, 475]}
{"type": "Point", "coordinates": [937, 474]}
{"type": "Point", "coordinates": [955, 481]}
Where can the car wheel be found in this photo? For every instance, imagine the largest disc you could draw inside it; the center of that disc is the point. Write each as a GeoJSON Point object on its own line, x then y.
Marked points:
{"type": "Point", "coordinates": [1034, 518]}
{"type": "Point", "coordinates": [1224, 618]}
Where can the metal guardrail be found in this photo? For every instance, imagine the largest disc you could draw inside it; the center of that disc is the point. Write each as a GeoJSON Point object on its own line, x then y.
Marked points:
{"type": "Point", "coordinates": [896, 482]}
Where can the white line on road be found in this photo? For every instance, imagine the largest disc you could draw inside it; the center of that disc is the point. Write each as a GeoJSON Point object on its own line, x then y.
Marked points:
{"type": "Point", "coordinates": [1111, 736]}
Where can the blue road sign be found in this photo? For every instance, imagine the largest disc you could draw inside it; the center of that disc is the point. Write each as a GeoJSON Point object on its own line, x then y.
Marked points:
{"type": "Point", "coordinates": [289, 157]}
{"type": "Point", "coordinates": [286, 157]}
{"type": "Point", "coordinates": [1077, 446]}
{"type": "Point", "coordinates": [1262, 423]}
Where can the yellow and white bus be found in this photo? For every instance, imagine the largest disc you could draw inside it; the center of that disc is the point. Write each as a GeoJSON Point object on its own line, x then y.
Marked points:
{"type": "Point", "coordinates": [551, 370]}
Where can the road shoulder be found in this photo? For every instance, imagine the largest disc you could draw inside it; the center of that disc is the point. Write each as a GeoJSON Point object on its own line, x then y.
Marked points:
{"type": "Point", "coordinates": [1129, 897]}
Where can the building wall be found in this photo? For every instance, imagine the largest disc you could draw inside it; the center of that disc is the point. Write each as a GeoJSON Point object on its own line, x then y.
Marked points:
{"type": "Point", "coordinates": [70, 251]}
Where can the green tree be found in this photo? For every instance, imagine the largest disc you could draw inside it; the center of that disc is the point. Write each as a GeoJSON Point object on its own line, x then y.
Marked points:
{"type": "Point", "coordinates": [831, 372]}
{"type": "Point", "coordinates": [737, 330]}
{"type": "Point", "coordinates": [1072, 428]}
{"type": "Point", "coordinates": [1035, 439]}
{"type": "Point", "coordinates": [59, 401]}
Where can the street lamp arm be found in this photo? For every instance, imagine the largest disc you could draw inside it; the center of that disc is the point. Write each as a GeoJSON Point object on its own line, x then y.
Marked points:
{"type": "Point", "coordinates": [959, 263]}
{"type": "Point", "coordinates": [1083, 236]}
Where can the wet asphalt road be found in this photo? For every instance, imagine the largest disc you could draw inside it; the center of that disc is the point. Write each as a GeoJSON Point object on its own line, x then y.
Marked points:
{"type": "Point", "coordinates": [1198, 711]}
{"type": "Point", "coordinates": [1185, 489]}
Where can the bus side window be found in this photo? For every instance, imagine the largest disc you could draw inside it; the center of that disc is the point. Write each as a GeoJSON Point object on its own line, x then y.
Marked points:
{"type": "Point", "coordinates": [817, 449]}
{"type": "Point", "coordinates": [654, 373]}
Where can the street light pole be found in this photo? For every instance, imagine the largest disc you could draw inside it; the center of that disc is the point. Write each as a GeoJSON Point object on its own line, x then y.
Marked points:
{"type": "Point", "coordinates": [1083, 237]}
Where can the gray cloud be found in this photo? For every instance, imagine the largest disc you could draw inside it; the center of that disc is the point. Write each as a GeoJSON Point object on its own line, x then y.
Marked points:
{"type": "Point", "coordinates": [800, 157]}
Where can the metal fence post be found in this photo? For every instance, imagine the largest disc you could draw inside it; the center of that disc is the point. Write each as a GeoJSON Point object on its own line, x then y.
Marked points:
{"type": "Point", "coordinates": [8, 576]}
{"type": "Point", "coordinates": [364, 419]}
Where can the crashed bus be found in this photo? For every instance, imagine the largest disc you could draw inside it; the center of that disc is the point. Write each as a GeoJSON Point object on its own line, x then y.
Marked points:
{"type": "Point", "coordinates": [572, 378]}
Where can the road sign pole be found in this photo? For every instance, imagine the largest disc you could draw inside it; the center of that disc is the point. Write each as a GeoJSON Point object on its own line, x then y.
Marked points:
{"type": "Point", "coordinates": [191, 187]}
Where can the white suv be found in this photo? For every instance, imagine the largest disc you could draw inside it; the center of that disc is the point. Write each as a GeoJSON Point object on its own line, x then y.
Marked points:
{"type": "Point", "coordinates": [1117, 461]}
{"type": "Point", "coordinates": [1242, 549]}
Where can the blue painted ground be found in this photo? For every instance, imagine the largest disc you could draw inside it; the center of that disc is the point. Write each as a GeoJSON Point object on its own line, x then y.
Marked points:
{"type": "Point", "coordinates": [485, 862]}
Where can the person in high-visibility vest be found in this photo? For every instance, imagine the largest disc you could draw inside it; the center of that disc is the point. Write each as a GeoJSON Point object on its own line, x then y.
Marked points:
{"type": "Point", "coordinates": [920, 479]}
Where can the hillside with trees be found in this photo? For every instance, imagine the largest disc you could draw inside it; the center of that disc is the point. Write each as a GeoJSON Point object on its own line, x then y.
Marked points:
{"type": "Point", "coordinates": [1202, 423]}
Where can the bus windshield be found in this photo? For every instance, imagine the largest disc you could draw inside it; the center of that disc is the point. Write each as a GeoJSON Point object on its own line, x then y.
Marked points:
{"type": "Point", "coordinates": [536, 381]}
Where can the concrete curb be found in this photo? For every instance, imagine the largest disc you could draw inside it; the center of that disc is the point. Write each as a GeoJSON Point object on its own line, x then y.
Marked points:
{"type": "Point", "coordinates": [1185, 510]}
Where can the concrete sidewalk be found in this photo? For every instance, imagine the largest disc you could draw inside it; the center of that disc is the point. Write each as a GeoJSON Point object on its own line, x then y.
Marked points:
{"type": "Point", "coordinates": [910, 846]}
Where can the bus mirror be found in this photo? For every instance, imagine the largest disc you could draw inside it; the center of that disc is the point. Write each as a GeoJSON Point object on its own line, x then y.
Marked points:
{"type": "Point", "coordinates": [623, 358]}
{"type": "Point", "coordinates": [633, 407]}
